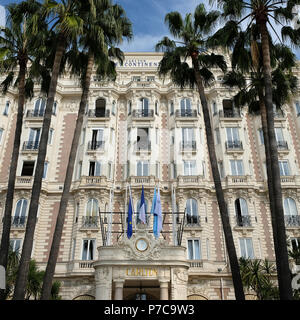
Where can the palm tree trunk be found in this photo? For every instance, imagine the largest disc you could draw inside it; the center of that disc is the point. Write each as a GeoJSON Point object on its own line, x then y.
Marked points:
{"type": "Point", "coordinates": [12, 171]}
{"type": "Point", "coordinates": [234, 265]}
{"type": "Point", "coordinates": [20, 286]}
{"type": "Point", "coordinates": [47, 284]}
{"type": "Point", "coordinates": [283, 271]}
{"type": "Point", "coordinates": [263, 112]}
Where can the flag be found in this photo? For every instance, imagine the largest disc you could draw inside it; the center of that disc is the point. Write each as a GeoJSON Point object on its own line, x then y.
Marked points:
{"type": "Point", "coordinates": [153, 202]}
{"type": "Point", "coordinates": [157, 224]}
{"type": "Point", "coordinates": [129, 219]}
{"type": "Point", "coordinates": [142, 211]}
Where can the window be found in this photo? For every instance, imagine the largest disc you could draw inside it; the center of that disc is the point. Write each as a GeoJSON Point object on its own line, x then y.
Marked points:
{"type": "Point", "coordinates": [34, 139]}
{"type": "Point", "coordinates": [157, 170]}
{"type": "Point", "coordinates": [28, 168]}
{"type": "Point", "coordinates": [174, 171]}
{"type": "Point", "coordinates": [284, 168]}
{"type": "Point", "coordinates": [95, 169]}
{"type": "Point", "coordinates": [15, 245]}
{"type": "Point", "coordinates": [39, 108]}
{"type": "Point", "coordinates": [143, 139]}
{"type": "Point", "coordinates": [203, 168]}
{"type": "Point", "coordinates": [20, 213]}
{"type": "Point", "coordinates": [109, 170]}
{"type": "Point", "coordinates": [237, 168]}
{"type": "Point", "coordinates": [54, 108]}
{"type": "Point", "coordinates": [136, 78]}
{"type": "Point", "coordinates": [297, 104]}
{"type": "Point", "coordinates": [88, 249]}
{"type": "Point", "coordinates": [221, 169]}
{"type": "Point", "coordinates": [97, 139]}
{"type": "Point", "coordinates": [50, 138]}
{"type": "Point", "coordinates": [185, 107]}
{"type": "Point", "coordinates": [45, 169]}
{"type": "Point", "coordinates": [189, 168]}
{"type": "Point", "coordinates": [73, 249]}
{"type": "Point", "coordinates": [100, 107]}
{"type": "Point", "coordinates": [76, 212]}
{"type": "Point", "coordinates": [143, 107]}
{"type": "Point", "coordinates": [194, 250]}
{"type": "Point", "coordinates": [112, 135]}
{"type": "Point", "coordinates": [129, 107]}
{"type": "Point", "coordinates": [113, 107]}
{"type": "Point", "coordinates": [214, 108]}
{"type": "Point", "coordinates": [142, 169]}
{"type": "Point", "coordinates": [290, 207]}
{"type": "Point", "coordinates": [79, 170]}
{"type": "Point", "coordinates": [150, 78]}
{"type": "Point", "coordinates": [232, 135]}
{"type": "Point", "coordinates": [128, 169]}
{"type": "Point", "coordinates": [261, 136]}
{"type": "Point", "coordinates": [218, 138]}
{"type": "Point", "coordinates": [1, 134]}
{"type": "Point", "coordinates": [279, 135]}
{"type": "Point", "coordinates": [156, 108]}
{"type": "Point", "coordinates": [246, 247]}
{"type": "Point", "coordinates": [6, 108]}
{"type": "Point", "coordinates": [192, 211]}
{"type": "Point", "coordinates": [295, 242]}
{"type": "Point", "coordinates": [171, 108]}
{"type": "Point", "coordinates": [241, 212]}
{"type": "Point", "coordinates": [91, 216]}
{"type": "Point", "coordinates": [83, 136]}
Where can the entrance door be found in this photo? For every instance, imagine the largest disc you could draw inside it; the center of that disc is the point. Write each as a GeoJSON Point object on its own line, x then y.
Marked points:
{"type": "Point", "coordinates": [141, 290]}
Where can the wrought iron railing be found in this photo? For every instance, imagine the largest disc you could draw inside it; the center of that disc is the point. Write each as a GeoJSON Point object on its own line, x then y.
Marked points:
{"type": "Point", "coordinates": [98, 113]}
{"type": "Point", "coordinates": [243, 221]}
{"type": "Point", "coordinates": [142, 113]}
{"type": "Point", "coordinates": [186, 113]}
{"type": "Point", "coordinates": [188, 145]}
{"type": "Point", "coordinates": [19, 221]}
{"type": "Point", "coordinates": [90, 222]}
{"type": "Point", "coordinates": [233, 145]}
{"type": "Point", "coordinates": [282, 145]}
{"type": "Point", "coordinates": [229, 114]}
{"type": "Point", "coordinates": [143, 146]}
{"type": "Point", "coordinates": [96, 145]}
{"type": "Point", "coordinates": [192, 220]}
{"type": "Point", "coordinates": [31, 145]}
{"type": "Point", "coordinates": [292, 221]}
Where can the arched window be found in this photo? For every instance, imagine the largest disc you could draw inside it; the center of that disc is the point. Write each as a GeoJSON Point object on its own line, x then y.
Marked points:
{"type": "Point", "coordinates": [192, 216]}
{"type": "Point", "coordinates": [138, 209]}
{"type": "Point", "coordinates": [144, 107]}
{"type": "Point", "coordinates": [20, 213]}
{"type": "Point", "coordinates": [241, 212]}
{"type": "Point", "coordinates": [91, 218]}
{"type": "Point", "coordinates": [100, 107]}
{"type": "Point", "coordinates": [185, 107]}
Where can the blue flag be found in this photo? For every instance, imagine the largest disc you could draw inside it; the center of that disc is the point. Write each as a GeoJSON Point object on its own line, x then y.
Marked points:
{"type": "Point", "coordinates": [153, 202]}
{"type": "Point", "coordinates": [129, 220]}
{"type": "Point", "coordinates": [157, 223]}
{"type": "Point", "coordinates": [142, 209]}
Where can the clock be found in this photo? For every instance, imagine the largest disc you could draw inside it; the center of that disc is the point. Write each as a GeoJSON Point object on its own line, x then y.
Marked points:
{"type": "Point", "coordinates": [141, 245]}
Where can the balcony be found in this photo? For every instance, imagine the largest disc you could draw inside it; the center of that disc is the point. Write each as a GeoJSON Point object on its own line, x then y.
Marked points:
{"type": "Point", "coordinates": [234, 145]}
{"type": "Point", "coordinates": [142, 114]}
{"type": "Point", "coordinates": [34, 114]}
{"type": "Point", "coordinates": [243, 221]}
{"type": "Point", "coordinates": [282, 146]}
{"type": "Point", "coordinates": [196, 263]}
{"type": "Point", "coordinates": [278, 114]}
{"type": "Point", "coordinates": [18, 222]}
{"type": "Point", "coordinates": [96, 145]}
{"type": "Point", "coordinates": [237, 181]}
{"type": "Point", "coordinates": [30, 146]}
{"type": "Point", "coordinates": [186, 114]}
{"type": "Point", "coordinates": [292, 221]}
{"type": "Point", "coordinates": [142, 146]}
{"type": "Point", "coordinates": [99, 114]}
{"type": "Point", "coordinates": [229, 114]}
{"type": "Point", "coordinates": [186, 146]}
{"type": "Point", "coordinates": [146, 181]}
{"type": "Point", "coordinates": [192, 221]}
{"type": "Point", "coordinates": [190, 181]}
{"type": "Point", "coordinates": [90, 223]}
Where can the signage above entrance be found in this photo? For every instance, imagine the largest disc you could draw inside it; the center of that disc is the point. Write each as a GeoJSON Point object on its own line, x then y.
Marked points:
{"type": "Point", "coordinates": [141, 272]}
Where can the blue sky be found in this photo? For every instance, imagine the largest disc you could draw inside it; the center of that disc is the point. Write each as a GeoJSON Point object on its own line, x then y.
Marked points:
{"type": "Point", "coordinates": [147, 17]}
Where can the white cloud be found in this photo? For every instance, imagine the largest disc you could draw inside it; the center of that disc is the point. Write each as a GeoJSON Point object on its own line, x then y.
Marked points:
{"type": "Point", "coordinates": [2, 16]}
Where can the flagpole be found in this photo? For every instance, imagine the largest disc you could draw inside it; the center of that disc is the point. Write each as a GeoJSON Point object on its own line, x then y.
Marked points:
{"type": "Point", "coordinates": [132, 206]}
{"type": "Point", "coordinates": [173, 215]}
{"type": "Point", "coordinates": [111, 196]}
{"type": "Point", "coordinates": [125, 209]}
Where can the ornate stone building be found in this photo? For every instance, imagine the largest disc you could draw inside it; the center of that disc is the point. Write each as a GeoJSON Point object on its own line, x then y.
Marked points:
{"type": "Point", "coordinates": [143, 130]}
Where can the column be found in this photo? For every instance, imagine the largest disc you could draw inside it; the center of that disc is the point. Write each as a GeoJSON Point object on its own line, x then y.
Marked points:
{"type": "Point", "coordinates": [119, 290]}
{"type": "Point", "coordinates": [164, 290]}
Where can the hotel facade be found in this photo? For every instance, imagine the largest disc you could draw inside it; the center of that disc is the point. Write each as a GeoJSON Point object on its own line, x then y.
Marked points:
{"type": "Point", "coordinates": [142, 130]}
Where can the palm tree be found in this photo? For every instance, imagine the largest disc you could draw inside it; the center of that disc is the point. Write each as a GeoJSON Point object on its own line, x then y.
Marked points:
{"type": "Point", "coordinates": [264, 13]}
{"type": "Point", "coordinates": [191, 33]}
{"type": "Point", "coordinates": [18, 46]}
{"type": "Point", "coordinates": [67, 22]}
{"type": "Point", "coordinates": [252, 94]}
{"type": "Point", "coordinates": [110, 26]}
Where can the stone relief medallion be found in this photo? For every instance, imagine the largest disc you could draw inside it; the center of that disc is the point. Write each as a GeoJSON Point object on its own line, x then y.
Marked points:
{"type": "Point", "coordinates": [141, 246]}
